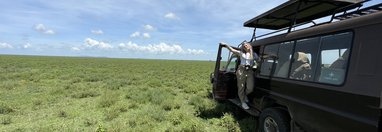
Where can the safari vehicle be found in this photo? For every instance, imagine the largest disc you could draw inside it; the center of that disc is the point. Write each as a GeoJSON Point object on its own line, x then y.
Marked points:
{"type": "Point", "coordinates": [339, 88]}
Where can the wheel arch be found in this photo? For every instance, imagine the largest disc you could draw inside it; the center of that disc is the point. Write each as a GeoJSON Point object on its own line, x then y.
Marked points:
{"type": "Point", "coordinates": [271, 103]}
{"type": "Point", "coordinates": [267, 102]}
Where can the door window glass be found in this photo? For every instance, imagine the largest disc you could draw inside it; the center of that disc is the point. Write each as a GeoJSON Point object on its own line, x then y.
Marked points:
{"type": "Point", "coordinates": [269, 59]}
{"type": "Point", "coordinates": [305, 53]}
{"type": "Point", "coordinates": [231, 66]}
{"type": "Point", "coordinates": [335, 51]}
{"type": "Point", "coordinates": [284, 59]}
{"type": "Point", "coordinates": [225, 54]}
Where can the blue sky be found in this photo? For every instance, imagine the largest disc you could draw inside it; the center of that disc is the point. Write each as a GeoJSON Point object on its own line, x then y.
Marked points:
{"type": "Point", "coordinates": [151, 29]}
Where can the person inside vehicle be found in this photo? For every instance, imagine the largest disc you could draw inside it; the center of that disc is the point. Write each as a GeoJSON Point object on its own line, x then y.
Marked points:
{"type": "Point", "coordinates": [244, 73]}
{"type": "Point", "coordinates": [341, 62]}
{"type": "Point", "coordinates": [301, 67]}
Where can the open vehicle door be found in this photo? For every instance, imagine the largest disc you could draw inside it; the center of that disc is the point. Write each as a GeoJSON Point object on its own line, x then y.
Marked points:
{"type": "Point", "coordinates": [224, 77]}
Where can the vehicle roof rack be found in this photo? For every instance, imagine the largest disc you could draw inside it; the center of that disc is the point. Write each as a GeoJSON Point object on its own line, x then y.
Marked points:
{"type": "Point", "coordinates": [299, 12]}
{"type": "Point", "coordinates": [361, 12]}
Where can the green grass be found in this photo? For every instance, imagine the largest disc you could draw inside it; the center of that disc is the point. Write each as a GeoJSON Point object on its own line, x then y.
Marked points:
{"type": "Point", "coordinates": [101, 94]}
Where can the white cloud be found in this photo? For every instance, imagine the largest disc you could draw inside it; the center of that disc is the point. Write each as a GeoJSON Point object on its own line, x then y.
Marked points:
{"type": "Point", "coordinates": [5, 46]}
{"type": "Point", "coordinates": [171, 16]}
{"type": "Point", "coordinates": [149, 27]}
{"type": "Point", "coordinates": [135, 34]}
{"type": "Point", "coordinates": [196, 52]}
{"type": "Point", "coordinates": [27, 45]}
{"type": "Point", "coordinates": [146, 35]}
{"type": "Point", "coordinates": [97, 32]}
{"type": "Point", "coordinates": [138, 34]}
{"type": "Point", "coordinates": [42, 29]}
{"type": "Point", "coordinates": [49, 32]}
{"type": "Point", "coordinates": [161, 48]}
{"type": "Point", "coordinates": [75, 49]}
{"type": "Point", "coordinates": [91, 43]}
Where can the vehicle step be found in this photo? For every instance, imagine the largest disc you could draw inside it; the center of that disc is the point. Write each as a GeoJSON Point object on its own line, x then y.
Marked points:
{"type": "Point", "coordinates": [251, 110]}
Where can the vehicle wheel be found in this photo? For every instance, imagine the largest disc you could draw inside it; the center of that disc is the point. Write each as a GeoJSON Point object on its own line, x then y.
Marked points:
{"type": "Point", "coordinates": [274, 120]}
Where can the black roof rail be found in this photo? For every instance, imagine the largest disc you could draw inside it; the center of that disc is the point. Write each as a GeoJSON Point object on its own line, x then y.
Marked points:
{"type": "Point", "coordinates": [361, 12]}
{"type": "Point", "coordinates": [254, 37]}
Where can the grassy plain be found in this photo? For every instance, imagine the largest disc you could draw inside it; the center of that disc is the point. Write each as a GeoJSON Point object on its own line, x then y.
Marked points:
{"type": "Point", "coordinates": [96, 94]}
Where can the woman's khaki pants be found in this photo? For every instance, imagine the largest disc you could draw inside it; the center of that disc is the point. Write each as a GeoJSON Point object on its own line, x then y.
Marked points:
{"type": "Point", "coordinates": [244, 78]}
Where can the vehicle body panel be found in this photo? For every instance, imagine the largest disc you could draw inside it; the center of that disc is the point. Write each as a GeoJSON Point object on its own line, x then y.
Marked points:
{"type": "Point", "coordinates": [354, 105]}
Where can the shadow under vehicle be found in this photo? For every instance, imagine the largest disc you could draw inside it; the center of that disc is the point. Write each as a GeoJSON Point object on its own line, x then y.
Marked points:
{"type": "Point", "coordinates": [324, 77]}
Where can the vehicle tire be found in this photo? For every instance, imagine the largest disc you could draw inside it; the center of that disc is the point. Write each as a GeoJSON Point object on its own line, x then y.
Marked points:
{"type": "Point", "coordinates": [274, 120]}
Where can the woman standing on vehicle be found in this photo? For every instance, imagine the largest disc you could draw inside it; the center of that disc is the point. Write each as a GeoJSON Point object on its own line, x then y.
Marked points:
{"type": "Point", "coordinates": [244, 73]}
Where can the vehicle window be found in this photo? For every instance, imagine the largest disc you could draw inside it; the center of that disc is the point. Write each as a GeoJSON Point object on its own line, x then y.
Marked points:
{"type": "Point", "coordinates": [225, 53]}
{"type": "Point", "coordinates": [284, 59]}
{"type": "Point", "coordinates": [269, 59]}
{"type": "Point", "coordinates": [334, 52]}
{"type": "Point", "coordinates": [231, 66]}
{"type": "Point", "coordinates": [305, 53]}
{"type": "Point", "coordinates": [321, 59]}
